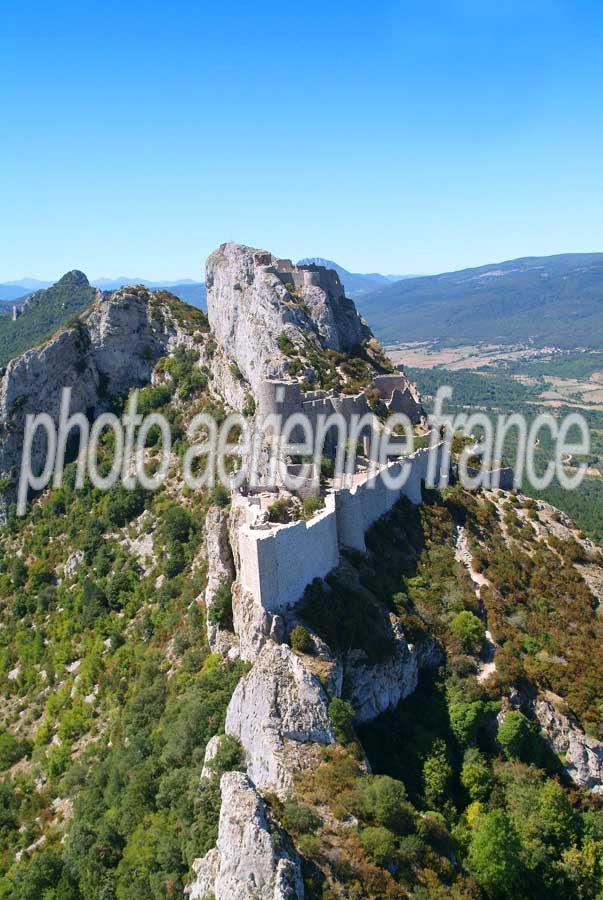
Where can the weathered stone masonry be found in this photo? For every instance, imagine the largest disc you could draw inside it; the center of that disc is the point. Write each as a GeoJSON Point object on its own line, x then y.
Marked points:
{"type": "Point", "coordinates": [277, 562]}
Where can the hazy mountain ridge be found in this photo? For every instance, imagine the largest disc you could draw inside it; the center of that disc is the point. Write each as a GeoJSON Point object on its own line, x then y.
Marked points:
{"type": "Point", "coordinates": [187, 289]}
{"type": "Point", "coordinates": [11, 292]}
{"type": "Point", "coordinates": [552, 300]}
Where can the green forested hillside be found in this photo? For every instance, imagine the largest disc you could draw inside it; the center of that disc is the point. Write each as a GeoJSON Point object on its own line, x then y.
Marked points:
{"type": "Point", "coordinates": [110, 695]}
{"type": "Point", "coordinates": [109, 690]}
{"type": "Point", "coordinates": [552, 300]}
{"type": "Point", "coordinates": [46, 310]}
{"type": "Point", "coordinates": [452, 809]}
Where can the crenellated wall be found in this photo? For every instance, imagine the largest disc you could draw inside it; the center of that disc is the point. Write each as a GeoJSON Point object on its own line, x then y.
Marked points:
{"type": "Point", "coordinates": [285, 399]}
{"type": "Point", "coordinates": [276, 563]}
{"type": "Point", "coordinates": [362, 504]}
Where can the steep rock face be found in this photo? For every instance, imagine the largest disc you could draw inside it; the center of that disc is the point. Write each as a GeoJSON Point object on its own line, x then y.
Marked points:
{"type": "Point", "coordinates": [583, 754]}
{"type": "Point", "coordinates": [250, 861]}
{"type": "Point", "coordinates": [253, 625]}
{"type": "Point", "coordinates": [33, 383]}
{"type": "Point", "coordinates": [111, 348]}
{"type": "Point", "coordinates": [275, 709]}
{"type": "Point", "coordinates": [377, 687]}
{"type": "Point", "coordinates": [220, 572]}
{"type": "Point", "coordinates": [225, 382]}
{"type": "Point", "coordinates": [254, 298]}
{"type": "Point", "coordinates": [127, 334]}
{"type": "Point", "coordinates": [211, 751]}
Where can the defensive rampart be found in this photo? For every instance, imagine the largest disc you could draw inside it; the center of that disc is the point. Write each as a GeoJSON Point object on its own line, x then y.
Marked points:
{"type": "Point", "coordinates": [361, 505]}
{"type": "Point", "coordinates": [276, 563]}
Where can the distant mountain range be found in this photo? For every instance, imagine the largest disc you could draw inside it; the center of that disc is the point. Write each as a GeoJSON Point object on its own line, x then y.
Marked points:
{"type": "Point", "coordinates": [550, 300]}
{"type": "Point", "coordinates": [355, 283]}
{"type": "Point", "coordinates": [192, 292]}
{"type": "Point", "coordinates": [10, 292]}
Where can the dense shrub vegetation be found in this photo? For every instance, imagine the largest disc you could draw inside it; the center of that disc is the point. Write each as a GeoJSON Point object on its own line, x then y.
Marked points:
{"type": "Point", "coordinates": [331, 369]}
{"type": "Point", "coordinates": [453, 808]}
{"type": "Point", "coordinates": [110, 693]}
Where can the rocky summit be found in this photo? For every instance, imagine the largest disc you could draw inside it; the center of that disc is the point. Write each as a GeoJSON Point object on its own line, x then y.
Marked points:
{"type": "Point", "coordinates": [257, 303]}
{"type": "Point", "coordinates": [330, 690]}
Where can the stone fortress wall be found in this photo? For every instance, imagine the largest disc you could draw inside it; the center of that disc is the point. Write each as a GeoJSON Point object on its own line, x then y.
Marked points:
{"type": "Point", "coordinates": [285, 399]}
{"type": "Point", "coordinates": [369, 498]}
{"type": "Point", "coordinates": [277, 562]}
{"type": "Point", "coordinates": [300, 277]}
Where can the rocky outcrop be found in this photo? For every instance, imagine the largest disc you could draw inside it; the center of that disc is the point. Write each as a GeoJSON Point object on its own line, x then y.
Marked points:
{"type": "Point", "coordinates": [253, 299]}
{"type": "Point", "coordinates": [251, 860]}
{"type": "Point", "coordinates": [275, 710]}
{"type": "Point", "coordinates": [225, 380]}
{"type": "Point", "coordinates": [253, 625]}
{"type": "Point", "coordinates": [211, 751]}
{"type": "Point", "coordinates": [111, 348]}
{"type": "Point", "coordinates": [582, 754]}
{"type": "Point", "coordinates": [220, 573]}
{"type": "Point", "coordinates": [376, 687]}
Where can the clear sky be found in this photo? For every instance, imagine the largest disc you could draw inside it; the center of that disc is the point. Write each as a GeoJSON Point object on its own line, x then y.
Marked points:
{"type": "Point", "coordinates": [390, 136]}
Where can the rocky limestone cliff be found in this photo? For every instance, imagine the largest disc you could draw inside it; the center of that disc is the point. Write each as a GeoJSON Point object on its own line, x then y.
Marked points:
{"type": "Point", "coordinates": [582, 754]}
{"type": "Point", "coordinates": [376, 687]}
{"type": "Point", "coordinates": [253, 298]}
{"type": "Point", "coordinates": [112, 347]}
{"type": "Point", "coordinates": [251, 860]}
{"type": "Point", "coordinates": [276, 709]}
{"type": "Point", "coordinates": [220, 575]}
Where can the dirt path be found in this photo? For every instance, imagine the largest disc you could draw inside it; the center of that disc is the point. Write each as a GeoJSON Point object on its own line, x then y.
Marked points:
{"type": "Point", "coordinates": [487, 664]}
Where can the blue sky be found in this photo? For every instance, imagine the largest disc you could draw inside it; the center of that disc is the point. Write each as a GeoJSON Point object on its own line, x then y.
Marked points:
{"type": "Point", "coordinates": [392, 137]}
